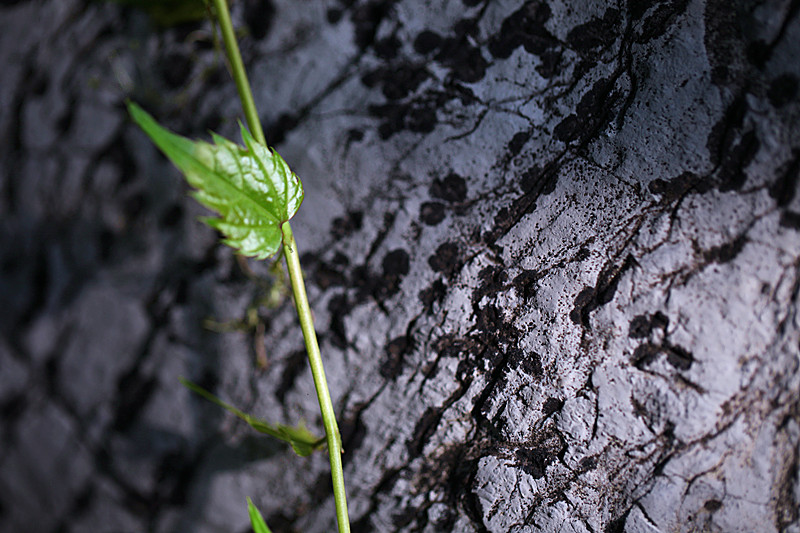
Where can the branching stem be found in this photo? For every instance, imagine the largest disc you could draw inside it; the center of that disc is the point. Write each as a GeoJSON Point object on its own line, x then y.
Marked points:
{"type": "Point", "coordinates": [295, 275]}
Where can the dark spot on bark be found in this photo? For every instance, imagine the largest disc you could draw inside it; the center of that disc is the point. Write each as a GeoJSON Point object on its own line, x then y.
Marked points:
{"type": "Point", "coordinates": [712, 505]}
{"type": "Point", "coordinates": [673, 189]}
{"type": "Point", "coordinates": [396, 263]}
{"type": "Point", "coordinates": [534, 461]}
{"type": "Point", "coordinates": [276, 131]}
{"type": "Point", "coordinates": [723, 133]}
{"type": "Point", "coordinates": [280, 521]}
{"type": "Point", "coordinates": [293, 366]}
{"type": "Point", "coordinates": [427, 41]}
{"type": "Point", "coordinates": [490, 281]}
{"type": "Point", "coordinates": [366, 18]}
{"type": "Point", "coordinates": [536, 181]}
{"type": "Point", "coordinates": [661, 19]}
{"type": "Point", "coordinates": [465, 61]}
{"type": "Point", "coordinates": [134, 205]}
{"type": "Point", "coordinates": [782, 90]}
{"type": "Point", "coordinates": [598, 32]}
{"type": "Point", "coordinates": [552, 405]}
{"type": "Point", "coordinates": [401, 80]}
{"type": "Point", "coordinates": [431, 213]}
{"type": "Point", "coordinates": [582, 301]}
{"type": "Point", "coordinates": [679, 357]}
{"type": "Point", "coordinates": [595, 101]}
{"type": "Point", "coordinates": [405, 516]}
{"type": "Point", "coordinates": [446, 259]}
{"type": "Point", "coordinates": [528, 362]}
{"type": "Point", "coordinates": [643, 325]}
{"type": "Point", "coordinates": [587, 463]}
{"type": "Point", "coordinates": [344, 226]}
{"type": "Point", "coordinates": [175, 69]}
{"type": "Point", "coordinates": [720, 75]}
{"type": "Point", "coordinates": [212, 121]}
{"type": "Point", "coordinates": [617, 525]}
{"type": "Point", "coordinates": [433, 294]}
{"type": "Point", "coordinates": [590, 298]}
{"type": "Point", "coordinates": [453, 188]}
{"type": "Point", "coordinates": [330, 274]}
{"type": "Point", "coordinates": [468, 3]}
{"type": "Point", "coordinates": [731, 171]}
{"type": "Point", "coordinates": [425, 427]}
{"type": "Point", "coordinates": [353, 432]}
{"type": "Point", "coordinates": [491, 322]}
{"type": "Point", "coordinates": [418, 116]}
{"type": "Point", "coordinates": [785, 187]}
{"type": "Point", "coordinates": [338, 308]}
{"type": "Point", "coordinates": [758, 53]}
{"type": "Point", "coordinates": [525, 283]}
{"type": "Point", "coordinates": [172, 216]}
{"type": "Point", "coordinates": [551, 64]}
{"type": "Point", "coordinates": [645, 354]}
{"type": "Point", "coordinates": [395, 266]}
{"type": "Point", "coordinates": [592, 112]}
{"type": "Point", "coordinates": [568, 129]}
{"type": "Point", "coordinates": [258, 15]}
{"type": "Point", "coordinates": [133, 391]}
{"type": "Point", "coordinates": [726, 252]}
{"type": "Point", "coordinates": [525, 27]}
{"type": "Point", "coordinates": [11, 409]}
{"type": "Point", "coordinates": [637, 8]}
{"type": "Point", "coordinates": [395, 352]}
{"type": "Point", "coordinates": [64, 122]}
{"type": "Point", "coordinates": [388, 47]}
{"type": "Point", "coordinates": [355, 135]}
{"type": "Point", "coordinates": [790, 219]}
{"type": "Point", "coordinates": [517, 142]}
{"type": "Point", "coordinates": [639, 328]}
{"type": "Point", "coordinates": [466, 26]}
{"type": "Point", "coordinates": [334, 15]}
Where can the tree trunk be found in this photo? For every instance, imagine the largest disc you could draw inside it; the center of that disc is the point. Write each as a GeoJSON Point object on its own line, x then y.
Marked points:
{"type": "Point", "coordinates": [553, 251]}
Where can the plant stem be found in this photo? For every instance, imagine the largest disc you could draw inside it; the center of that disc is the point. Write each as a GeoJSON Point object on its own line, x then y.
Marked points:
{"type": "Point", "coordinates": [296, 277]}
{"type": "Point", "coordinates": [320, 383]}
{"type": "Point", "coordinates": [238, 72]}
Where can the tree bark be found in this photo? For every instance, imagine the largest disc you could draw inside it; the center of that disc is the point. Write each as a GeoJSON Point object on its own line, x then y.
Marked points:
{"type": "Point", "coordinates": [553, 251]}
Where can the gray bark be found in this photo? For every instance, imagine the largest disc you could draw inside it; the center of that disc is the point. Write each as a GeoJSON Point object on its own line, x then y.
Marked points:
{"type": "Point", "coordinates": [552, 251]}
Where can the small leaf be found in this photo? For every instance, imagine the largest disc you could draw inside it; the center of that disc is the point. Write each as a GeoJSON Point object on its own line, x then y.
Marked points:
{"type": "Point", "coordinates": [251, 187]}
{"type": "Point", "coordinates": [303, 442]}
{"type": "Point", "coordinates": [259, 526]}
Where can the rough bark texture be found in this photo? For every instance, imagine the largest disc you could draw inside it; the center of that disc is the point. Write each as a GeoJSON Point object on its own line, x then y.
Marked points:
{"type": "Point", "coordinates": [553, 251]}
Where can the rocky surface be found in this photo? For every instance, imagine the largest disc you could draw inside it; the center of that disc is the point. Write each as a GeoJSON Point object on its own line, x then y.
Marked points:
{"type": "Point", "coordinates": [553, 251]}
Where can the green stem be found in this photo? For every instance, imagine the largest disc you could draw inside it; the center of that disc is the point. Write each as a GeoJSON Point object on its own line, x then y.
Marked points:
{"type": "Point", "coordinates": [296, 277]}
{"type": "Point", "coordinates": [238, 72]}
{"type": "Point", "coordinates": [320, 383]}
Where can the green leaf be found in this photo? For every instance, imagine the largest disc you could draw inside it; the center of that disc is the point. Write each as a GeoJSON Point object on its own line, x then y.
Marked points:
{"type": "Point", "coordinates": [250, 187]}
{"type": "Point", "coordinates": [259, 526]}
{"type": "Point", "coordinates": [303, 442]}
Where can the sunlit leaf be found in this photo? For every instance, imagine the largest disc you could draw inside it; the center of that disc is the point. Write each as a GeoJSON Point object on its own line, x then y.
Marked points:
{"type": "Point", "coordinates": [259, 526]}
{"type": "Point", "coordinates": [250, 187]}
{"type": "Point", "coordinates": [303, 442]}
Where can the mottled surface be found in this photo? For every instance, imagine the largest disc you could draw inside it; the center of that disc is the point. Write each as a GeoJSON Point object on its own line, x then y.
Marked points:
{"type": "Point", "coordinates": [553, 251]}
